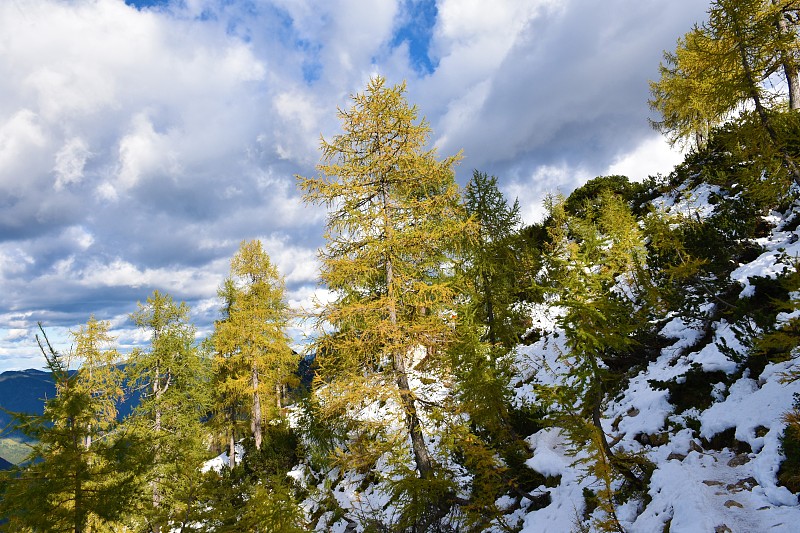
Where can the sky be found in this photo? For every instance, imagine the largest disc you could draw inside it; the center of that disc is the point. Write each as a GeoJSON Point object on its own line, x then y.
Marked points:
{"type": "Point", "coordinates": [142, 141]}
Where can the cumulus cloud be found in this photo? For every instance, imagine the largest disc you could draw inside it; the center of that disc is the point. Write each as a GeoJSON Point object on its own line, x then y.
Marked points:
{"type": "Point", "coordinates": [70, 162]}
{"type": "Point", "coordinates": [139, 146]}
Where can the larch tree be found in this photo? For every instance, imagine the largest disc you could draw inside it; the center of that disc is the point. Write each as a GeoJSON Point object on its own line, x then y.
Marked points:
{"type": "Point", "coordinates": [100, 376]}
{"type": "Point", "coordinates": [253, 359]}
{"type": "Point", "coordinates": [594, 268]}
{"type": "Point", "coordinates": [172, 376]}
{"type": "Point", "coordinates": [229, 406]}
{"type": "Point", "coordinates": [691, 95]}
{"type": "Point", "coordinates": [394, 218]}
{"type": "Point", "coordinates": [723, 65]}
{"type": "Point", "coordinates": [65, 484]}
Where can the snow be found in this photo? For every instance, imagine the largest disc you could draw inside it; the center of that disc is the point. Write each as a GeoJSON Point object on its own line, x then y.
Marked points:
{"type": "Point", "coordinates": [219, 462]}
{"type": "Point", "coordinates": [688, 202]}
{"type": "Point", "coordinates": [711, 358]}
{"type": "Point", "coordinates": [549, 457]}
{"type": "Point", "coordinates": [782, 250]}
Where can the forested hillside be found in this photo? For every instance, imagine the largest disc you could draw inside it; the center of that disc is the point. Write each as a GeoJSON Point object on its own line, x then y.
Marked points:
{"type": "Point", "coordinates": [629, 363]}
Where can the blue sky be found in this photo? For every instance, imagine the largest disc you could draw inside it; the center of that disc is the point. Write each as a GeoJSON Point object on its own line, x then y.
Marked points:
{"type": "Point", "coordinates": [140, 142]}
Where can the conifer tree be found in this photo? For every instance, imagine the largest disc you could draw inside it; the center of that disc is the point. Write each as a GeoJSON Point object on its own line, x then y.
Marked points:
{"type": "Point", "coordinates": [722, 64]}
{"type": "Point", "coordinates": [228, 408]}
{"type": "Point", "coordinates": [488, 326]}
{"type": "Point", "coordinates": [491, 260]}
{"type": "Point", "coordinates": [66, 485]}
{"type": "Point", "coordinates": [253, 359]}
{"type": "Point", "coordinates": [173, 377]}
{"type": "Point", "coordinates": [394, 218]}
{"type": "Point", "coordinates": [691, 95]}
{"type": "Point", "coordinates": [100, 375]}
{"type": "Point", "coordinates": [594, 268]}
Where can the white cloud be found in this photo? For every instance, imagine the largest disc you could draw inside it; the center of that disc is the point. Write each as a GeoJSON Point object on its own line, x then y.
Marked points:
{"type": "Point", "coordinates": [22, 137]}
{"type": "Point", "coordinates": [143, 153]}
{"type": "Point", "coordinates": [471, 29]}
{"type": "Point", "coordinates": [652, 157]}
{"type": "Point", "coordinates": [298, 264]}
{"type": "Point", "coordinates": [70, 162]}
{"type": "Point", "coordinates": [80, 236]}
{"type": "Point", "coordinates": [15, 334]}
{"type": "Point", "coordinates": [296, 133]}
{"type": "Point", "coordinates": [165, 136]}
{"type": "Point", "coordinates": [531, 191]}
{"type": "Point", "coordinates": [14, 260]}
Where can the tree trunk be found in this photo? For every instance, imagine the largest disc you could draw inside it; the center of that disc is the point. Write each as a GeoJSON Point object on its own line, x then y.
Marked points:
{"type": "Point", "coordinates": [255, 421]}
{"type": "Point", "coordinates": [789, 65]}
{"type": "Point", "coordinates": [79, 516]}
{"type": "Point", "coordinates": [489, 309]}
{"type": "Point", "coordinates": [232, 449]}
{"type": "Point", "coordinates": [156, 528]}
{"type": "Point", "coordinates": [791, 72]}
{"type": "Point", "coordinates": [421, 456]}
{"type": "Point", "coordinates": [752, 89]}
{"type": "Point", "coordinates": [626, 472]}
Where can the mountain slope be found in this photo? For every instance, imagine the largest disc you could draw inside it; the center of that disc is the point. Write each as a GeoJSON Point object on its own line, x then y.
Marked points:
{"type": "Point", "coordinates": [703, 413]}
{"type": "Point", "coordinates": [700, 406]}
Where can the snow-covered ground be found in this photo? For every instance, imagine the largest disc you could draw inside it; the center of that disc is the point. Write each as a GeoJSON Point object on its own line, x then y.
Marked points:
{"type": "Point", "coordinates": [692, 489]}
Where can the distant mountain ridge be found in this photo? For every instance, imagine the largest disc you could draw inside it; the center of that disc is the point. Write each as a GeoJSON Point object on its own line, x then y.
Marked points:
{"type": "Point", "coordinates": [26, 391]}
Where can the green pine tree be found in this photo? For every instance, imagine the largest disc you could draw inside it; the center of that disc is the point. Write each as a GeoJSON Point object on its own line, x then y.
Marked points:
{"type": "Point", "coordinates": [71, 482]}
{"type": "Point", "coordinates": [491, 259]}
{"type": "Point", "coordinates": [173, 377]}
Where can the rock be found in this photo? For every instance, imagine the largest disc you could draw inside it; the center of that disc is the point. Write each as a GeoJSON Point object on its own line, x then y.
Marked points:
{"type": "Point", "coordinates": [743, 484]}
{"type": "Point", "coordinates": [712, 482]}
{"type": "Point", "coordinates": [652, 439]}
{"type": "Point", "coordinates": [733, 503]}
{"type": "Point", "coordinates": [694, 447]}
{"type": "Point", "coordinates": [678, 456]}
{"type": "Point", "coordinates": [659, 439]}
{"type": "Point", "coordinates": [723, 529]}
{"type": "Point", "coordinates": [739, 460]}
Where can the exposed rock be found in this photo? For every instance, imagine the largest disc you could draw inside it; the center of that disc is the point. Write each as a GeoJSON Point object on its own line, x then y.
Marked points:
{"type": "Point", "coordinates": [743, 484]}
{"type": "Point", "coordinates": [694, 447]}
{"type": "Point", "coordinates": [652, 439]}
{"type": "Point", "coordinates": [733, 503]}
{"type": "Point", "coordinates": [739, 460]}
